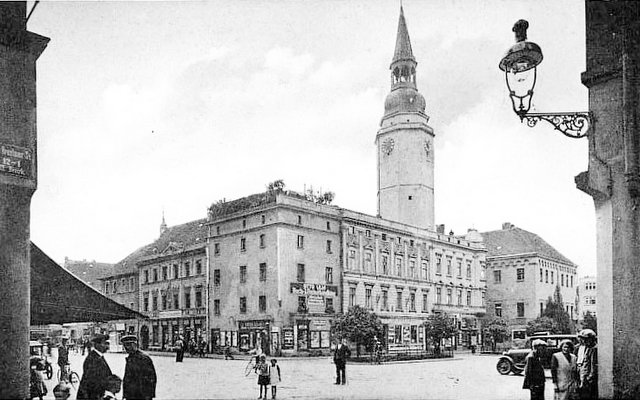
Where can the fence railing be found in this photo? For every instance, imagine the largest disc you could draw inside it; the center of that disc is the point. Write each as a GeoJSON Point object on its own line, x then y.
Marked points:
{"type": "Point", "coordinates": [402, 355]}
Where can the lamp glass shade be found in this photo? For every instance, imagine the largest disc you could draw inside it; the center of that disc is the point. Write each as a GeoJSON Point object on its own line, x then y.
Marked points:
{"type": "Point", "coordinates": [521, 57]}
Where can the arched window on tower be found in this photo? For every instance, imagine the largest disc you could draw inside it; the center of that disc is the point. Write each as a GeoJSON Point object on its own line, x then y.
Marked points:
{"type": "Point", "coordinates": [413, 75]}
{"type": "Point", "coordinates": [396, 75]}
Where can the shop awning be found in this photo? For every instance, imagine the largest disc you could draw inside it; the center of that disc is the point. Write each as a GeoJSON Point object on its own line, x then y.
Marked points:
{"type": "Point", "coordinates": [58, 297]}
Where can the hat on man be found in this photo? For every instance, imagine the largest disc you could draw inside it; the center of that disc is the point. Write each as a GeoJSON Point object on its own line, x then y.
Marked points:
{"type": "Point", "coordinates": [100, 338]}
{"type": "Point", "coordinates": [129, 339]}
{"type": "Point", "coordinates": [538, 342]}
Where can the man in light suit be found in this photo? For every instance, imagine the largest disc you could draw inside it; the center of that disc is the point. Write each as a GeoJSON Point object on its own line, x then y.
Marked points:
{"type": "Point", "coordinates": [95, 370]}
{"type": "Point", "coordinates": [340, 356]}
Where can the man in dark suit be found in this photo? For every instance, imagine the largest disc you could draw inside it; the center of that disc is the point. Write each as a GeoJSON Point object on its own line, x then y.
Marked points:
{"type": "Point", "coordinates": [139, 375]}
{"type": "Point", "coordinates": [340, 356]}
{"type": "Point", "coordinates": [95, 371]}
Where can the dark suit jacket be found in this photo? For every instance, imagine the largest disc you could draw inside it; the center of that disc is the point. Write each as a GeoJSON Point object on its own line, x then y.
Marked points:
{"type": "Point", "coordinates": [341, 354]}
{"type": "Point", "coordinates": [95, 373]}
{"type": "Point", "coordinates": [139, 380]}
{"type": "Point", "coordinates": [533, 372]}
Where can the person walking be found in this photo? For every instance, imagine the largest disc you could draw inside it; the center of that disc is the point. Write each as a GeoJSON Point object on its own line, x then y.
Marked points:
{"type": "Point", "coordinates": [587, 362]}
{"type": "Point", "coordinates": [340, 356]}
{"type": "Point", "coordinates": [262, 369]}
{"type": "Point", "coordinates": [274, 377]}
{"type": "Point", "coordinates": [179, 346]}
{"type": "Point", "coordinates": [63, 359]}
{"type": "Point", "coordinates": [564, 371]}
{"type": "Point", "coordinates": [140, 378]}
{"type": "Point", "coordinates": [95, 370]}
{"type": "Point", "coordinates": [533, 370]}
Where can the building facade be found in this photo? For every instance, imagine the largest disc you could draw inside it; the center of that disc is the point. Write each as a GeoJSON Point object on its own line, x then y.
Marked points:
{"type": "Point", "coordinates": [587, 296]}
{"type": "Point", "coordinates": [523, 272]}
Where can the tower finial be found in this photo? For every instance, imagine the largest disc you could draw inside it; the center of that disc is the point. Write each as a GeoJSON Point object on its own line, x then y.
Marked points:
{"type": "Point", "coordinates": [163, 225]}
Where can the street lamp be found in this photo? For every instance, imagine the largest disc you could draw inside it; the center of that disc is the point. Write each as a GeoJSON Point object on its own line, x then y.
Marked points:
{"type": "Point", "coordinates": [520, 70]}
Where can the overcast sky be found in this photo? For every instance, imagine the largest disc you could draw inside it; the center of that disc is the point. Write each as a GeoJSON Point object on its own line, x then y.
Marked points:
{"type": "Point", "coordinates": [152, 106]}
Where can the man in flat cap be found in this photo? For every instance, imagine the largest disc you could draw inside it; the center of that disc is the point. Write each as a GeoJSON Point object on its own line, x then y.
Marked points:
{"type": "Point", "coordinates": [95, 370]}
{"type": "Point", "coordinates": [139, 375]}
{"type": "Point", "coordinates": [534, 371]}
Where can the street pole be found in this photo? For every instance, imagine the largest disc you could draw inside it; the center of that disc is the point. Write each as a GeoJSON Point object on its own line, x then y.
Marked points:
{"type": "Point", "coordinates": [19, 50]}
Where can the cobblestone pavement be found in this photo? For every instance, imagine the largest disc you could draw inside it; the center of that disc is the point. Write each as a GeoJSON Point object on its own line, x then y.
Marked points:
{"type": "Point", "coordinates": [466, 376]}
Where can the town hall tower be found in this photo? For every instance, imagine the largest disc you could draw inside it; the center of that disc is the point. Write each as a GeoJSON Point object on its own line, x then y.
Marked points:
{"type": "Point", "coordinates": [405, 144]}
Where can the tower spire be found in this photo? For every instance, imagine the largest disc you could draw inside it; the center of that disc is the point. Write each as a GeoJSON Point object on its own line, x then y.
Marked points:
{"type": "Point", "coordinates": [403, 50]}
{"type": "Point", "coordinates": [163, 225]}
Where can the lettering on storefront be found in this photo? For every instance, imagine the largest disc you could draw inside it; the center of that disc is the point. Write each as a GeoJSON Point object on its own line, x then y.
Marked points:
{"type": "Point", "coordinates": [319, 325]}
{"type": "Point", "coordinates": [170, 314]}
{"type": "Point", "coordinates": [313, 288]}
{"type": "Point", "coordinates": [15, 160]}
{"type": "Point", "coordinates": [315, 304]}
{"type": "Point", "coordinates": [255, 324]}
{"type": "Point", "coordinates": [287, 338]}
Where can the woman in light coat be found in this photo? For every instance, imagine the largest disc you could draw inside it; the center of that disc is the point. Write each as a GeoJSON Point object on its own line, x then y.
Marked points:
{"type": "Point", "coordinates": [564, 372]}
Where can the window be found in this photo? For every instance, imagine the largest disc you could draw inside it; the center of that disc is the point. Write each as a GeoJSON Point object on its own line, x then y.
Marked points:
{"type": "Point", "coordinates": [262, 304]}
{"type": "Point", "coordinates": [302, 304]}
{"type": "Point", "coordinates": [199, 267]}
{"type": "Point", "coordinates": [329, 246]}
{"type": "Point", "coordinates": [106, 287]}
{"type": "Point", "coordinates": [572, 282]}
{"type": "Point", "coordinates": [217, 230]}
{"type": "Point", "coordinates": [176, 271]}
{"type": "Point", "coordinates": [367, 297]}
{"type": "Point", "coordinates": [497, 276]}
{"type": "Point", "coordinates": [263, 219]}
{"type": "Point", "coordinates": [187, 298]}
{"type": "Point", "coordinates": [262, 241]}
{"type": "Point", "coordinates": [352, 296]}
{"type": "Point", "coordinates": [351, 262]}
{"type": "Point", "coordinates": [164, 301]}
{"type": "Point", "coordinates": [199, 298]}
{"type": "Point", "coordinates": [459, 267]}
{"type": "Point", "coordinates": [299, 219]}
{"type": "Point", "coordinates": [412, 302]}
{"type": "Point", "coordinates": [329, 305]}
{"type": "Point", "coordinates": [300, 274]}
{"type": "Point", "coordinates": [412, 268]}
{"type": "Point", "coordinates": [561, 279]}
{"type": "Point", "coordinates": [328, 274]}
{"type": "Point", "coordinates": [438, 295]}
{"type": "Point", "coordinates": [468, 269]}
{"type": "Point", "coordinates": [449, 296]}
{"type": "Point", "coordinates": [146, 276]}
{"type": "Point", "coordinates": [145, 302]}
{"type": "Point", "coordinates": [216, 249]}
{"type": "Point", "coordinates": [498, 308]}
{"type": "Point", "coordinates": [132, 284]}
{"type": "Point", "coordinates": [399, 266]}
{"type": "Point", "coordinates": [438, 264]}
{"type": "Point", "coordinates": [385, 299]}
{"type": "Point", "coordinates": [552, 277]}
{"type": "Point", "coordinates": [546, 276]}
{"type": "Point", "coordinates": [155, 276]}
{"type": "Point", "coordinates": [414, 334]}
{"type": "Point", "coordinates": [540, 274]}
{"type": "Point", "coordinates": [216, 277]}
{"type": "Point", "coordinates": [459, 302]}
{"type": "Point", "coordinates": [384, 236]}
{"type": "Point", "coordinates": [483, 271]}
{"type": "Point", "coordinates": [367, 261]}
{"type": "Point", "coordinates": [425, 270]}
{"type": "Point", "coordinates": [448, 266]}
{"type": "Point", "coordinates": [243, 305]}
{"type": "Point", "coordinates": [263, 272]}
{"type": "Point", "coordinates": [484, 295]}
{"type": "Point", "coordinates": [425, 303]}
{"type": "Point", "coordinates": [154, 302]}
{"type": "Point", "coordinates": [367, 233]}
{"type": "Point", "coordinates": [187, 268]}
{"type": "Point", "coordinates": [115, 286]}
{"type": "Point", "coordinates": [300, 241]}
{"type": "Point", "coordinates": [243, 274]}
{"type": "Point", "coordinates": [385, 265]}
{"type": "Point", "coordinates": [399, 300]}
{"type": "Point", "coordinates": [520, 274]}
{"type": "Point", "coordinates": [243, 244]}
{"type": "Point", "coordinates": [469, 297]}
{"type": "Point", "coordinates": [216, 307]}
{"type": "Point", "coordinates": [328, 225]}
{"type": "Point", "coordinates": [176, 301]}
{"type": "Point", "coordinates": [541, 307]}
{"type": "Point", "coordinates": [164, 273]}
{"type": "Point", "coordinates": [244, 223]}
{"type": "Point", "coordinates": [520, 309]}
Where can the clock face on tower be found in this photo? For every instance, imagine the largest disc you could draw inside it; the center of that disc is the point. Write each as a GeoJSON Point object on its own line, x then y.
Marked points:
{"type": "Point", "coordinates": [387, 146]}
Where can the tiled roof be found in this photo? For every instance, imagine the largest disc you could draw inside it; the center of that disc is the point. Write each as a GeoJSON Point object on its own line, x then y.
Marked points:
{"type": "Point", "coordinates": [514, 240]}
{"type": "Point", "coordinates": [89, 271]}
{"type": "Point", "coordinates": [187, 235]}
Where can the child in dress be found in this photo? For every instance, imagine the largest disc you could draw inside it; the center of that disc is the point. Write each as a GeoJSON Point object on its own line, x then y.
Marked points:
{"type": "Point", "coordinates": [274, 376]}
{"type": "Point", "coordinates": [262, 369]}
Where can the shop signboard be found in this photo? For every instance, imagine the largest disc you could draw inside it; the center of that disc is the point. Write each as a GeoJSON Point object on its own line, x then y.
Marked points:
{"type": "Point", "coordinates": [287, 338]}
{"type": "Point", "coordinates": [315, 303]}
{"type": "Point", "coordinates": [319, 325]}
{"type": "Point", "coordinates": [254, 324]}
{"type": "Point", "coordinates": [313, 289]}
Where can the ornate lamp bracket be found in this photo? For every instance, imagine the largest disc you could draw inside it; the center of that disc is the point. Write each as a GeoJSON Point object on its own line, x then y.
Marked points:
{"type": "Point", "coordinates": [574, 125]}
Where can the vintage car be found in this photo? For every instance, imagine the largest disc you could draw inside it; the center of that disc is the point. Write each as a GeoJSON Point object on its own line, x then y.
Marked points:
{"type": "Point", "coordinates": [513, 359]}
{"type": "Point", "coordinates": [36, 351]}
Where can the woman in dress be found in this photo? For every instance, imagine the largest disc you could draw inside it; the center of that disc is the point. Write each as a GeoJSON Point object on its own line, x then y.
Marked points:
{"type": "Point", "coordinates": [564, 372]}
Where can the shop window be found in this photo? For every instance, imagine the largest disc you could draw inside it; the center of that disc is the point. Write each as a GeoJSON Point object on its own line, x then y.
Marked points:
{"type": "Point", "coordinates": [243, 305]}
{"type": "Point", "coordinates": [414, 334]}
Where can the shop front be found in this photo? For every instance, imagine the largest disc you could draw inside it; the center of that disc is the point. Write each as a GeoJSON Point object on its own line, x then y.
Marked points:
{"type": "Point", "coordinates": [255, 334]}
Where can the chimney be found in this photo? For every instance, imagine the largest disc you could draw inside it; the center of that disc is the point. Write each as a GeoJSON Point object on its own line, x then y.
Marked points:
{"type": "Point", "coordinates": [507, 225]}
{"type": "Point", "coordinates": [440, 229]}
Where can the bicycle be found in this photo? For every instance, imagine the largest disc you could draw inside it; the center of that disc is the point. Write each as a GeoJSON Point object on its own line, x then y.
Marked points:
{"type": "Point", "coordinates": [65, 374]}
{"type": "Point", "coordinates": [251, 366]}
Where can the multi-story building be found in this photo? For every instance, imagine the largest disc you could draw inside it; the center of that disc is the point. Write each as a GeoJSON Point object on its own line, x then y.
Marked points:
{"type": "Point", "coordinates": [523, 272]}
{"type": "Point", "coordinates": [90, 272]}
{"type": "Point", "coordinates": [587, 296]}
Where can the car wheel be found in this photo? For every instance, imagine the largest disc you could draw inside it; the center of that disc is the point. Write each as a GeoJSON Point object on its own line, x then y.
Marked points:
{"type": "Point", "coordinates": [49, 371]}
{"type": "Point", "coordinates": [504, 366]}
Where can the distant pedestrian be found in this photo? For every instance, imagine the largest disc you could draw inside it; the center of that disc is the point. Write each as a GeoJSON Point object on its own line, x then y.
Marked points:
{"type": "Point", "coordinates": [587, 362]}
{"type": "Point", "coordinates": [179, 346]}
{"type": "Point", "coordinates": [274, 377]}
{"type": "Point", "coordinates": [533, 370]}
{"type": "Point", "coordinates": [340, 357]}
{"type": "Point", "coordinates": [63, 355]}
{"type": "Point", "coordinates": [139, 374]}
{"type": "Point", "coordinates": [202, 347]}
{"type": "Point", "coordinates": [262, 369]}
{"type": "Point", "coordinates": [227, 353]}
{"type": "Point", "coordinates": [96, 371]}
{"type": "Point", "coordinates": [37, 388]}
{"type": "Point", "coordinates": [564, 372]}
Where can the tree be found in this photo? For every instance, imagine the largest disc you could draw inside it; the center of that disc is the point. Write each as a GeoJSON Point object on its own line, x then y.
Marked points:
{"type": "Point", "coordinates": [554, 318]}
{"type": "Point", "coordinates": [276, 186]}
{"type": "Point", "coordinates": [590, 322]}
{"type": "Point", "coordinates": [497, 330]}
{"type": "Point", "coordinates": [542, 324]}
{"type": "Point", "coordinates": [438, 327]}
{"type": "Point", "coordinates": [359, 325]}
{"type": "Point", "coordinates": [325, 198]}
